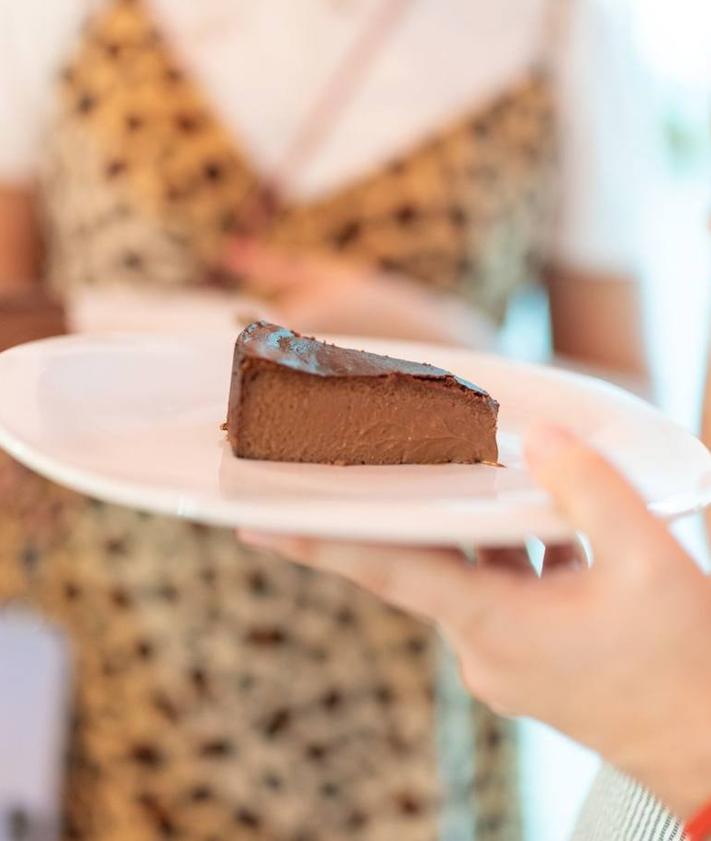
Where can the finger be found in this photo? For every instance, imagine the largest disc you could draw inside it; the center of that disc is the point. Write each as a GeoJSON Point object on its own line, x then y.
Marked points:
{"type": "Point", "coordinates": [434, 583]}
{"type": "Point", "coordinates": [511, 558]}
{"type": "Point", "coordinates": [594, 497]}
{"type": "Point", "coordinates": [570, 556]}
{"type": "Point", "coordinates": [518, 559]}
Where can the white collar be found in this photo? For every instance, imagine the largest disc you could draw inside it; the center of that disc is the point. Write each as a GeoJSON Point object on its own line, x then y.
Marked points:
{"type": "Point", "coordinates": [262, 64]}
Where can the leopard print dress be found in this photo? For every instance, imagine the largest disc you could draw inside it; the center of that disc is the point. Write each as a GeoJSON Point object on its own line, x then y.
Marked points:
{"type": "Point", "coordinates": [222, 693]}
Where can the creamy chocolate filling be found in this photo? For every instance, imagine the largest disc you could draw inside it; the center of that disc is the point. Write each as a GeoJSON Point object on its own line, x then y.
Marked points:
{"type": "Point", "coordinates": [297, 399]}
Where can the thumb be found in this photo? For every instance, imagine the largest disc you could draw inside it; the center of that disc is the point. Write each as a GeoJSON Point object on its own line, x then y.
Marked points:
{"type": "Point", "coordinates": [594, 497]}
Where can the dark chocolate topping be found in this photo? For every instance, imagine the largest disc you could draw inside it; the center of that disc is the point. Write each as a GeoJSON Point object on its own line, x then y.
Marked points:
{"type": "Point", "coordinates": [262, 340]}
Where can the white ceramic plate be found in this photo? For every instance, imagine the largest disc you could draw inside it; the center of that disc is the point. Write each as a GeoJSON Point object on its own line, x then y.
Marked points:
{"type": "Point", "coordinates": [135, 419]}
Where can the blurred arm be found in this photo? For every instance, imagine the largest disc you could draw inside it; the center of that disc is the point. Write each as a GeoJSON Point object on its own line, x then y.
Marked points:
{"type": "Point", "coordinates": [26, 312]}
{"type": "Point", "coordinates": [706, 432]}
{"type": "Point", "coordinates": [609, 158]}
{"type": "Point", "coordinates": [597, 320]}
{"type": "Point", "coordinates": [19, 241]}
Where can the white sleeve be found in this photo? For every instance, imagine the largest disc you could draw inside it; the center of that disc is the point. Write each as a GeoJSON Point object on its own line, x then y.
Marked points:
{"type": "Point", "coordinates": [35, 37]}
{"type": "Point", "coordinates": [609, 140]}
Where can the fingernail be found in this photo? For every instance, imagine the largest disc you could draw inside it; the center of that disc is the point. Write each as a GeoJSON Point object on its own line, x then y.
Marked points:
{"type": "Point", "coordinates": [545, 442]}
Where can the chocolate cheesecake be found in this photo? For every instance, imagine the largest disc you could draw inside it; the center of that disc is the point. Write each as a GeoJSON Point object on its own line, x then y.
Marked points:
{"type": "Point", "coordinates": [294, 398]}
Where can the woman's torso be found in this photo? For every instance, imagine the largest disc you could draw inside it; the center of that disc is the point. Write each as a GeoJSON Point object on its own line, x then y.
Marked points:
{"type": "Point", "coordinates": [145, 184]}
{"type": "Point", "coordinates": [219, 692]}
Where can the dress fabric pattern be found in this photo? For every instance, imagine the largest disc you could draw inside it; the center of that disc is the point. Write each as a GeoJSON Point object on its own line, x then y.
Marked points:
{"type": "Point", "coordinates": [465, 210]}
{"type": "Point", "coordinates": [223, 693]}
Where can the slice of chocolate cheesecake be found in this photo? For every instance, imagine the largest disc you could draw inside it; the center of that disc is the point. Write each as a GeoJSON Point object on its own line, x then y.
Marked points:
{"type": "Point", "coordinates": [297, 399]}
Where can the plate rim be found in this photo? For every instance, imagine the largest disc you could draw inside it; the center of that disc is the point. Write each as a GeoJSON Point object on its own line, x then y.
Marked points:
{"type": "Point", "coordinates": [196, 506]}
